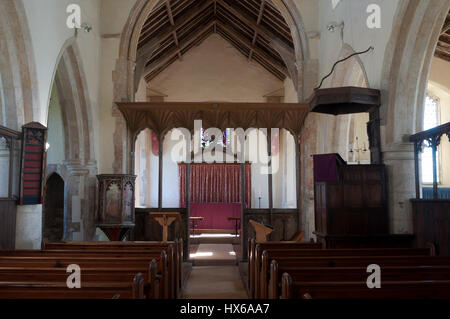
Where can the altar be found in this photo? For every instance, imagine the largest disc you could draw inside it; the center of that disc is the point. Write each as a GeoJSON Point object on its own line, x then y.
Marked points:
{"type": "Point", "coordinates": [216, 216]}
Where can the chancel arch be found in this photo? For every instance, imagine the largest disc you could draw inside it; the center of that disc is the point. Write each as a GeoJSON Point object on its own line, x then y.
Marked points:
{"type": "Point", "coordinates": [131, 66]}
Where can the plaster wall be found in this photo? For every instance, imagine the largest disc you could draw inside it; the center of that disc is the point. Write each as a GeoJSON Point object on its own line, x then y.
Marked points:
{"type": "Point", "coordinates": [215, 71]}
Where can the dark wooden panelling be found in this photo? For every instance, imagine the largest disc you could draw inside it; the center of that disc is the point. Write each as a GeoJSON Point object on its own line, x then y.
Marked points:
{"type": "Point", "coordinates": [147, 229]}
{"type": "Point", "coordinates": [356, 204]}
{"type": "Point", "coordinates": [365, 241]}
{"type": "Point", "coordinates": [432, 224]}
{"type": "Point", "coordinates": [7, 223]}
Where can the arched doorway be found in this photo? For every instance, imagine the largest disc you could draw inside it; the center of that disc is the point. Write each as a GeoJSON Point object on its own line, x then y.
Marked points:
{"type": "Point", "coordinates": [53, 209]}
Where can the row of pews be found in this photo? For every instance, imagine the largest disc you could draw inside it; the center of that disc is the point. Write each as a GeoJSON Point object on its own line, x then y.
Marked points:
{"type": "Point", "coordinates": [109, 270]}
{"type": "Point", "coordinates": [292, 270]}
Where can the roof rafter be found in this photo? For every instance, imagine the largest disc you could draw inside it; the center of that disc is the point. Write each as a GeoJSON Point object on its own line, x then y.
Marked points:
{"type": "Point", "coordinates": [443, 46]}
{"type": "Point", "coordinates": [189, 40]}
{"type": "Point", "coordinates": [172, 22]}
{"type": "Point", "coordinates": [249, 46]}
{"type": "Point", "coordinates": [258, 22]}
{"type": "Point", "coordinates": [254, 27]}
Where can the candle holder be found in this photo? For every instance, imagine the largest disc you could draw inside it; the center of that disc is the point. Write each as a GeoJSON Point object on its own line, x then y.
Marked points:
{"type": "Point", "coordinates": [358, 151]}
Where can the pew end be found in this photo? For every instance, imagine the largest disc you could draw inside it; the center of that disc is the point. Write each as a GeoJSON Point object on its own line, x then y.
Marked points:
{"type": "Point", "coordinates": [286, 286]}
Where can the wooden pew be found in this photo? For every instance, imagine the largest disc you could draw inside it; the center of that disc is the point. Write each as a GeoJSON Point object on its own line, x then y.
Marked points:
{"type": "Point", "coordinates": [415, 289]}
{"type": "Point", "coordinates": [252, 258]}
{"type": "Point", "coordinates": [262, 268]}
{"type": "Point", "coordinates": [327, 274]}
{"type": "Point", "coordinates": [144, 264]}
{"type": "Point", "coordinates": [96, 275]}
{"type": "Point", "coordinates": [177, 247]}
{"type": "Point", "coordinates": [133, 289]}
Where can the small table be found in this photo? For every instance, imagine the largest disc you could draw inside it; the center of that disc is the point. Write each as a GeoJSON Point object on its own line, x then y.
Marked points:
{"type": "Point", "coordinates": [165, 220]}
{"type": "Point", "coordinates": [262, 231]}
{"type": "Point", "coordinates": [236, 221]}
{"type": "Point", "coordinates": [194, 221]}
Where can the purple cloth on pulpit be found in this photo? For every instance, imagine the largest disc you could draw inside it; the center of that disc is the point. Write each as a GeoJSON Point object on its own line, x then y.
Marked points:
{"type": "Point", "coordinates": [326, 167]}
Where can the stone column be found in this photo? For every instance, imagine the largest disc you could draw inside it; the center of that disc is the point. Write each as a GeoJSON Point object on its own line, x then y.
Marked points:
{"type": "Point", "coordinates": [80, 201]}
{"type": "Point", "coordinates": [399, 159]}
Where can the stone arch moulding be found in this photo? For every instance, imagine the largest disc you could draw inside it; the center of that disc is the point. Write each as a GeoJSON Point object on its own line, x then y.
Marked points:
{"type": "Point", "coordinates": [18, 85]}
{"type": "Point", "coordinates": [407, 65]}
{"type": "Point", "coordinates": [406, 68]}
{"type": "Point", "coordinates": [79, 168]}
{"type": "Point", "coordinates": [123, 75]}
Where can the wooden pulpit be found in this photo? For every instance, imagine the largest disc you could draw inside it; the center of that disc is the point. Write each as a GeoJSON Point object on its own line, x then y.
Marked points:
{"type": "Point", "coordinates": [262, 231]}
{"type": "Point", "coordinates": [165, 220]}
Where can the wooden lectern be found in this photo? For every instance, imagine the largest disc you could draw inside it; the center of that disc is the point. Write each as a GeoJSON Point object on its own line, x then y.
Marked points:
{"type": "Point", "coordinates": [262, 231]}
{"type": "Point", "coordinates": [165, 220]}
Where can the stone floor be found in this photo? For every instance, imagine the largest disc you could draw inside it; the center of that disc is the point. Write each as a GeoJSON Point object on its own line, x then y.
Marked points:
{"type": "Point", "coordinates": [215, 274]}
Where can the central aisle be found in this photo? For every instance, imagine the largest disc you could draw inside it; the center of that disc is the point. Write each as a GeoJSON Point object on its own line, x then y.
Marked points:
{"type": "Point", "coordinates": [215, 282]}
{"type": "Point", "coordinates": [216, 275]}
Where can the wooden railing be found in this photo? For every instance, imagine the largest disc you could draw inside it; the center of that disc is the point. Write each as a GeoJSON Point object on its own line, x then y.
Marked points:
{"type": "Point", "coordinates": [433, 138]}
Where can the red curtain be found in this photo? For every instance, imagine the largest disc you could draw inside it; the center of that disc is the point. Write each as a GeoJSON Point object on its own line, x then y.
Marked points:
{"type": "Point", "coordinates": [215, 183]}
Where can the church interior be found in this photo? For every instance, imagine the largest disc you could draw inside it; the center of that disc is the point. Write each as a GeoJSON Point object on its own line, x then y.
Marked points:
{"type": "Point", "coordinates": [224, 149]}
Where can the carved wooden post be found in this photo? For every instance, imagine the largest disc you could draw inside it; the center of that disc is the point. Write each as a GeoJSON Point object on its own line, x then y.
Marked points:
{"type": "Point", "coordinates": [434, 145]}
{"type": "Point", "coordinates": [298, 176]}
{"type": "Point", "coordinates": [160, 169]}
{"type": "Point", "coordinates": [417, 149]}
{"type": "Point", "coordinates": [243, 233]}
{"type": "Point", "coordinates": [269, 166]}
{"type": "Point", "coordinates": [188, 210]}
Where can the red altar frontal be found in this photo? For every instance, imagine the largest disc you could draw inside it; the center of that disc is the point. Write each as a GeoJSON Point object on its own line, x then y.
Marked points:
{"type": "Point", "coordinates": [216, 215]}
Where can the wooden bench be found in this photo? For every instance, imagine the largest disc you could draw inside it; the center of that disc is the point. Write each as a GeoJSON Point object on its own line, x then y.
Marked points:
{"type": "Point", "coordinates": [262, 265]}
{"type": "Point", "coordinates": [415, 289]}
{"type": "Point", "coordinates": [326, 274]}
{"type": "Point", "coordinates": [96, 275]}
{"type": "Point", "coordinates": [149, 265]}
{"type": "Point", "coordinates": [269, 245]}
{"type": "Point", "coordinates": [133, 289]}
{"type": "Point", "coordinates": [176, 245]}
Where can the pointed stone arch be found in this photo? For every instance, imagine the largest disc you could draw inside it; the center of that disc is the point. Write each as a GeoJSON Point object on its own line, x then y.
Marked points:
{"type": "Point", "coordinates": [79, 167]}
{"type": "Point", "coordinates": [406, 69]}
{"type": "Point", "coordinates": [302, 68]}
{"type": "Point", "coordinates": [18, 82]}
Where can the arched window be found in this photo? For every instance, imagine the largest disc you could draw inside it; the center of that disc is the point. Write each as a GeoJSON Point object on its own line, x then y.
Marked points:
{"type": "Point", "coordinates": [430, 120]}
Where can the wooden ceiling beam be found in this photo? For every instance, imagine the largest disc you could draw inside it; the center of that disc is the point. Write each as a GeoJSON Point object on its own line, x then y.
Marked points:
{"type": "Point", "coordinates": [172, 23]}
{"type": "Point", "coordinates": [197, 41]}
{"type": "Point", "coordinates": [258, 22]}
{"type": "Point", "coordinates": [269, 35]}
{"type": "Point", "coordinates": [187, 17]}
{"type": "Point", "coordinates": [258, 51]}
{"type": "Point", "coordinates": [191, 38]}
